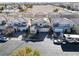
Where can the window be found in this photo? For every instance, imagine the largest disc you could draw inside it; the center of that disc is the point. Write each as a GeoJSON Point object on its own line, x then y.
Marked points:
{"type": "Point", "coordinates": [69, 38]}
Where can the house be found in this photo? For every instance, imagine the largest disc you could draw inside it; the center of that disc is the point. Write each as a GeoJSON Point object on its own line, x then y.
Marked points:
{"type": "Point", "coordinates": [8, 30]}
{"type": "Point", "coordinates": [12, 22]}
{"type": "Point", "coordinates": [76, 24]}
{"type": "Point", "coordinates": [22, 25]}
{"type": "Point", "coordinates": [17, 23]}
{"type": "Point", "coordinates": [42, 24]}
{"type": "Point", "coordinates": [2, 6]}
{"type": "Point", "coordinates": [11, 8]}
{"type": "Point", "coordinates": [2, 23]}
{"type": "Point", "coordinates": [61, 21]}
{"type": "Point", "coordinates": [2, 20]}
{"type": "Point", "coordinates": [62, 14]}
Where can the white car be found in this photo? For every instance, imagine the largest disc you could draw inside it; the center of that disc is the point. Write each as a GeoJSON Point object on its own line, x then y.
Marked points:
{"type": "Point", "coordinates": [2, 38]}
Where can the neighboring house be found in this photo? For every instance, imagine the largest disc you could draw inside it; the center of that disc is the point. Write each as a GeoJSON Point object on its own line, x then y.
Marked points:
{"type": "Point", "coordinates": [2, 23]}
{"type": "Point", "coordinates": [76, 24]}
{"type": "Point", "coordinates": [11, 8]}
{"type": "Point", "coordinates": [17, 23]}
{"type": "Point", "coordinates": [12, 21]}
{"type": "Point", "coordinates": [8, 30]}
{"type": "Point", "coordinates": [61, 21]}
{"type": "Point", "coordinates": [1, 7]}
{"type": "Point", "coordinates": [62, 14]}
{"type": "Point", "coordinates": [22, 25]}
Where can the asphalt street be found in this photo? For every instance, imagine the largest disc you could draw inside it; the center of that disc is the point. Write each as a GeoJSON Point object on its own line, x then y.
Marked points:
{"type": "Point", "coordinates": [46, 47]}
{"type": "Point", "coordinates": [9, 46]}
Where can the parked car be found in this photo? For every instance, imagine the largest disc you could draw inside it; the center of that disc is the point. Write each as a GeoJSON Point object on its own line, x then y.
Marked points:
{"type": "Point", "coordinates": [3, 39]}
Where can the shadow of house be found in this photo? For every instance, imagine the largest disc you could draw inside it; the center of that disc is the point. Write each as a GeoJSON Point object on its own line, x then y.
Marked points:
{"type": "Point", "coordinates": [18, 33]}
{"type": "Point", "coordinates": [38, 37]}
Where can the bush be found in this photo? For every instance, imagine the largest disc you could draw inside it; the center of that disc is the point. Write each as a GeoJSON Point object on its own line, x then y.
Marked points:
{"type": "Point", "coordinates": [36, 53]}
{"type": "Point", "coordinates": [56, 10]}
{"type": "Point", "coordinates": [29, 5]}
{"type": "Point", "coordinates": [26, 52]}
{"type": "Point", "coordinates": [68, 7]}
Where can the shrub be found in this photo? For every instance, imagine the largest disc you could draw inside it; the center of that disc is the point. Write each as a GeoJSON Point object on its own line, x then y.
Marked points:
{"type": "Point", "coordinates": [26, 52]}
{"type": "Point", "coordinates": [36, 53]}
{"type": "Point", "coordinates": [68, 7]}
{"type": "Point", "coordinates": [56, 10]}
